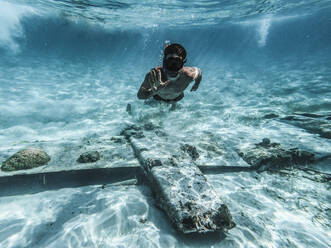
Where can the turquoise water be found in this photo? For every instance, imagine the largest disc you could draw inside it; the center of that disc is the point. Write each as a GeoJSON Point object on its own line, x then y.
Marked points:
{"type": "Point", "coordinates": [69, 69]}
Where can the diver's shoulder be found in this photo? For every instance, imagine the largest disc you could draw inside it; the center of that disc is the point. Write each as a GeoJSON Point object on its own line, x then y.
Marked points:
{"type": "Point", "coordinates": [191, 72]}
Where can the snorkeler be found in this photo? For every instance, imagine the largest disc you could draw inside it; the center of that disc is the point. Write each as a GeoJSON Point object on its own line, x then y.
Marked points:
{"type": "Point", "coordinates": [167, 83]}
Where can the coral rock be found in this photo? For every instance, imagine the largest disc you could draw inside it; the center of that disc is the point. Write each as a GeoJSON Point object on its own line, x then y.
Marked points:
{"type": "Point", "coordinates": [89, 157]}
{"type": "Point", "coordinates": [26, 159]}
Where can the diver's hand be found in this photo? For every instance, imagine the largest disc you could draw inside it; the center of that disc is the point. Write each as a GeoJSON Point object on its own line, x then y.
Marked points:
{"type": "Point", "coordinates": [156, 80]}
{"type": "Point", "coordinates": [194, 87]}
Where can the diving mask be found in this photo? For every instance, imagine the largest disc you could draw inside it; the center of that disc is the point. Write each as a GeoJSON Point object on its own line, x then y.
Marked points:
{"type": "Point", "coordinates": [174, 63]}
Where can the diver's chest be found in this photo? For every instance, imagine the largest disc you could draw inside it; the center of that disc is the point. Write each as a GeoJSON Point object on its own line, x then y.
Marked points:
{"type": "Point", "coordinates": [177, 85]}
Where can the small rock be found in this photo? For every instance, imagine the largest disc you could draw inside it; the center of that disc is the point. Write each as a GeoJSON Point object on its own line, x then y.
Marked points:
{"type": "Point", "coordinates": [190, 150]}
{"type": "Point", "coordinates": [142, 220]}
{"type": "Point", "coordinates": [265, 142]}
{"type": "Point", "coordinates": [26, 159]}
{"type": "Point", "coordinates": [89, 157]}
{"type": "Point", "coordinates": [270, 116]}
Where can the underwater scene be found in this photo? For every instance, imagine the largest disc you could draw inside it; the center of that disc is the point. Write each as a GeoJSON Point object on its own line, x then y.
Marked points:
{"type": "Point", "coordinates": [242, 160]}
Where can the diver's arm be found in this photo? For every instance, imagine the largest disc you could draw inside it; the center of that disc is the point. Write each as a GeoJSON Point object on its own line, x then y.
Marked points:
{"type": "Point", "coordinates": [197, 78]}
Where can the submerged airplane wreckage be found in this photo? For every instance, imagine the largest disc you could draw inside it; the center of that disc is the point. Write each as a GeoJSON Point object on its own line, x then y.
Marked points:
{"type": "Point", "coordinates": [182, 191]}
{"type": "Point", "coordinates": [178, 184]}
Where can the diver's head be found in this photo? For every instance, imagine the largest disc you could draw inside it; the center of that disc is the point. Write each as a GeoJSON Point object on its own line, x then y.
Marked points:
{"type": "Point", "coordinates": [174, 59]}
